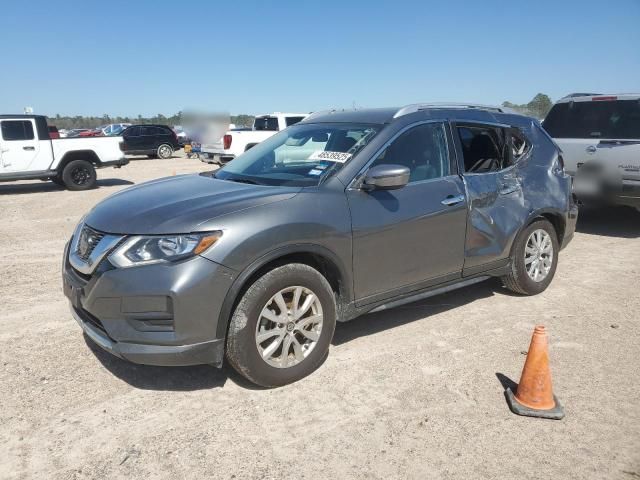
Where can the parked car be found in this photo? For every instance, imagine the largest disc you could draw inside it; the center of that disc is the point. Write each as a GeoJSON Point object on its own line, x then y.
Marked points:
{"type": "Point", "coordinates": [237, 141]}
{"type": "Point", "coordinates": [53, 132]}
{"type": "Point", "coordinates": [259, 259]}
{"type": "Point", "coordinates": [600, 140]}
{"type": "Point", "coordinates": [152, 140]}
{"type": "Point", "coordinates": [75, 132]}
{"type": "Point", "coordinates": [27, 152]}
{"type": "Point", "coordinates": [113, 129]}
{"type": "Point", "coordinates": [91, 132]}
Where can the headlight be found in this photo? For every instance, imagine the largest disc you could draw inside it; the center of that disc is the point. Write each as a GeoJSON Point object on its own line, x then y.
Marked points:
{"type": "Point", "coordinates": [145, 250]}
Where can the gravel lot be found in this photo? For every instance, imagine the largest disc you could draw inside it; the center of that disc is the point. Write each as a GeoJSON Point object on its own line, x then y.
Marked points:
{"type": "Point", "coordinates": [415, 392]}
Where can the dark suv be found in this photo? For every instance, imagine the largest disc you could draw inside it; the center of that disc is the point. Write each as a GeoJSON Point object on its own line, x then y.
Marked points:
{"type": "Point", "coordinates": [152, 140]}
{"type": "Point", "coordinates": [341, 214]}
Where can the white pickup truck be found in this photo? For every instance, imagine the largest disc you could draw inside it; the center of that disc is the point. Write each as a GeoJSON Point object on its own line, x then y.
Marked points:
{"type": "Point", "coordinates": [235, 142]}
{"type": "Point", "coordinates": [28, 153]}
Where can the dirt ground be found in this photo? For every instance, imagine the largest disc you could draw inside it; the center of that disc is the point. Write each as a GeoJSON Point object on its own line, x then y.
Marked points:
{"type": "Point", "coordinates": [415, 392]}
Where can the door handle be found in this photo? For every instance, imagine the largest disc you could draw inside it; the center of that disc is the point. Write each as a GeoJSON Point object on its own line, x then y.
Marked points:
{"type": "Point", "coordinates": [29, 148]}
{"type": "Point", "coordinates": [452, 200]}
{"type": "Point", "coordinates": [591, 149]}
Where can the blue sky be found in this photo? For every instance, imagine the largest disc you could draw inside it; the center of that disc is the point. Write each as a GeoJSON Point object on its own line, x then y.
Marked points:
{"type": "Point", "coordinates": [148, 57]}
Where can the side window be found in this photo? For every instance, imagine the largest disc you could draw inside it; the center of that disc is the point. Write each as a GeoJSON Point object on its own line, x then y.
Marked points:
{"type": "Point", "coordinates": [14, 130]}
{"type": "Point", "coordinates": [520, 145]}
{"type": "Point", "coordinates": [149, 130]}
{"type": "Point", "coordinates": [422, 149]}
{"type": "Point", "coordinates": [132, 132]}
{"type": "Point", "coordinates": [484, 148]}
{"type": "Point", "coordinates": [292, 120]}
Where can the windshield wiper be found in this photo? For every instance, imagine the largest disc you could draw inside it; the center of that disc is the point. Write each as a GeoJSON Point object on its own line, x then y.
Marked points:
{"type": "Point", "coordinates": [242, 180]}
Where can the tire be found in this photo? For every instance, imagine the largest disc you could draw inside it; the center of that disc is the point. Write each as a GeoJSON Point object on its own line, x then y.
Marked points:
{"type": "Point", "coordinates": [79, 175]}
{"type": "Point", "coordinates": [248, 322]}
{"type": "Point", "coordinates": [164, 151]}
{"type": "Point", "coordinates": [521, 277]}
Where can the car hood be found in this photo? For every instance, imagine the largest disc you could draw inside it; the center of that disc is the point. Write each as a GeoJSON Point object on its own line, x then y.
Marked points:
{"type": "Point", "coordinates": [181, 204]}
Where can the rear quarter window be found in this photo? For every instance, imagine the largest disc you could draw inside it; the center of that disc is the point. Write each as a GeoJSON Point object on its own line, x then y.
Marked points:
{"type": "Point", "coordinates": [266, 123]}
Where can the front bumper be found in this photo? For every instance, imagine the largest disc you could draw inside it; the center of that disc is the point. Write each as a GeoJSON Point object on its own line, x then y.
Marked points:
{"type": "Point", "coordinates": [162, 314]}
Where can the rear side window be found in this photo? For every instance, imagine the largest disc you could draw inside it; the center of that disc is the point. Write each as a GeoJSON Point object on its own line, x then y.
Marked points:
{"type": "Point", "coordinates": [13, 130]}
{"type": "Point", "coordinates": [484, 148]}
{"type": "Point", "coordinates": [618, 119]}
{"type": "Point", "coordinates": [292, 120]}
{"type": "Point", "coordinates": [266, 123]}
{"type": "Point", "coordinates": [520, 145]}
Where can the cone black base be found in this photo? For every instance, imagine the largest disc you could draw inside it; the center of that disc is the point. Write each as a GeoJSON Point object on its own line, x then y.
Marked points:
{"type": "Point", "coordinates": [556, 413]}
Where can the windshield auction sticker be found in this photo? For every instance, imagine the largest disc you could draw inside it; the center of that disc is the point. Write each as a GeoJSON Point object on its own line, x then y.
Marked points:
{"type": "Point", "coordinates": [338, 157]}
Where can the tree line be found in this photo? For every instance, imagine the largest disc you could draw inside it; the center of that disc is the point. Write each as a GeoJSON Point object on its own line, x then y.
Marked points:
{"type": "Point", "coordinates": [538, 107]}
{"type": "Point", "coordinates": [80, 121]}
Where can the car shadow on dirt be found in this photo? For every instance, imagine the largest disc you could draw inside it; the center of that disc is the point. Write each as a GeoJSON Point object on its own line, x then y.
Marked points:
{"type": "Point", "coordinates": [373, 323]}
{"type": "Point", "coordinates": [623, 222]}
{"type": "Point", "coordinates": [149, 377]}
{"type": "Point", "coordinates": [45, 187]}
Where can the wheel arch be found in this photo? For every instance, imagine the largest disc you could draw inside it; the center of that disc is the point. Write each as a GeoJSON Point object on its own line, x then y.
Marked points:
{"type": "Point", "coordinates": [88, 155]}
{"type": "Point", "coordinates": [555, 217]}
{"type": "Point", "coordinates": [316, 256]}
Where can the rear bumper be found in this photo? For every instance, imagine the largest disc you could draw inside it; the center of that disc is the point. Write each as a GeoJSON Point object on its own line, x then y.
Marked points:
{"type": "Point", "coordinates": [115, 163]}
{"type": "Point", "coordinates": [570, 225]}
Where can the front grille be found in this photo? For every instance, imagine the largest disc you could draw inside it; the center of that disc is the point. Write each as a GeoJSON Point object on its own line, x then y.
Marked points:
{"type": "Point", "coordinates": [88, 241]}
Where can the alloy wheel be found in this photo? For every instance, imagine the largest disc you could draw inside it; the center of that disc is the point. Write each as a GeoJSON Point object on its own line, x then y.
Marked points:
{"type": "Point", "coordinates": [289, 327]}
{"type": "Point", "coordinates": [538, 255]}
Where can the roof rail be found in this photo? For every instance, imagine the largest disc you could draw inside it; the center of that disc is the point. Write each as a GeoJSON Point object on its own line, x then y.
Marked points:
{"type": "Point", "coordinates": [415, 107]}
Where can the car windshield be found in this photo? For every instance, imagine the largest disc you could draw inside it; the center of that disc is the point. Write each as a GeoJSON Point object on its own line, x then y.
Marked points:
{"type": "Point", "coordinates": [301, 155]}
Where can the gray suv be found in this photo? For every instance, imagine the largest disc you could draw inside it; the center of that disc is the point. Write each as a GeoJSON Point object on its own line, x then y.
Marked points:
{"type": "Point", "coordinates": [600, 140]}
{"type": "Point", "coordinates": [345, 213]}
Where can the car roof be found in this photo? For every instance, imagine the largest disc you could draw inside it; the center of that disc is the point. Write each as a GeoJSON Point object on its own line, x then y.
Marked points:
{"type": "Point", "coordinates": [22, 115]}
{"type": "Point", "coordinates": [387, 115]}
{"type": "Point", "coordinates": [602, 97]}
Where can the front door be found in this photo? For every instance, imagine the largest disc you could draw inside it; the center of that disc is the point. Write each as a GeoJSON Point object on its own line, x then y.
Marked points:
{"type": "Point", "coordinates": [412, 237]}
{"type": "Point", "coordinates": [19, 146]}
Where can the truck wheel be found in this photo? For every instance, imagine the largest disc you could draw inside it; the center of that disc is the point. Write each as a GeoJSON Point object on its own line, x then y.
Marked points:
{"type": "Point", "coordinates": [281, 330]}
{"type": "Point", "coordinates": [79, 175]}
{"type": "Point", "coordinates": [165, 151]}
{"type": "Point", "coordinates": [534, 259]}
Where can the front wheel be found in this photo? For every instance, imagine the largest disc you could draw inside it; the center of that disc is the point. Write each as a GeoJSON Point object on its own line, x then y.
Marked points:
{"type": "Point", "coordinates": [281, 330]}
{"type": "Point", "coordinates": [534, 259]}
{"type": "Point", "coordinates": [164, 151]}
{"type": "Point", "coordinates": [79, 175]}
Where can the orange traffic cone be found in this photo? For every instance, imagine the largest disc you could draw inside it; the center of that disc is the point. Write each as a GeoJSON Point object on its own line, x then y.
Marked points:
{"type": "Point", "coordinates": [534, 396]}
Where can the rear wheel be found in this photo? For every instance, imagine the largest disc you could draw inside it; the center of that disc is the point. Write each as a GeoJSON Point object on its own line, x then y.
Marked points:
{"type": "Point", "coordinates": [164, 151]}
{"type": "Point", "coordinates": [281, 330]}
{"type": "Point", "coordinates": [79, 175]}
{"type": "Point", "coordinates": [534, 259]}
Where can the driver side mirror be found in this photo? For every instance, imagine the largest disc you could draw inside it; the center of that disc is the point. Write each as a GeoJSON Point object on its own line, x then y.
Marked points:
{"type": "Point", "coordinates": [386, 177]}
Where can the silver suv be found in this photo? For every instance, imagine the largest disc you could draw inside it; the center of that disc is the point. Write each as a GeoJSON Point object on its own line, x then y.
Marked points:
{"type": "Point", "coordinates": [600, 139]}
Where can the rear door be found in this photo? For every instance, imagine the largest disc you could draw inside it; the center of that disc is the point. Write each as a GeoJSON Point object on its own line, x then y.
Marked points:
{"type": "Point", "coordinates": [412, 237]}
{"type": "Point", "coordinates": [19, 145]}
{"type": "Point", "coordinates": [494, 189]}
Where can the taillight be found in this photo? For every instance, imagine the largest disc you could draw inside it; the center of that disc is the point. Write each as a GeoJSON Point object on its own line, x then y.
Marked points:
{"type": "Point", "coordinates": [226, 141]}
